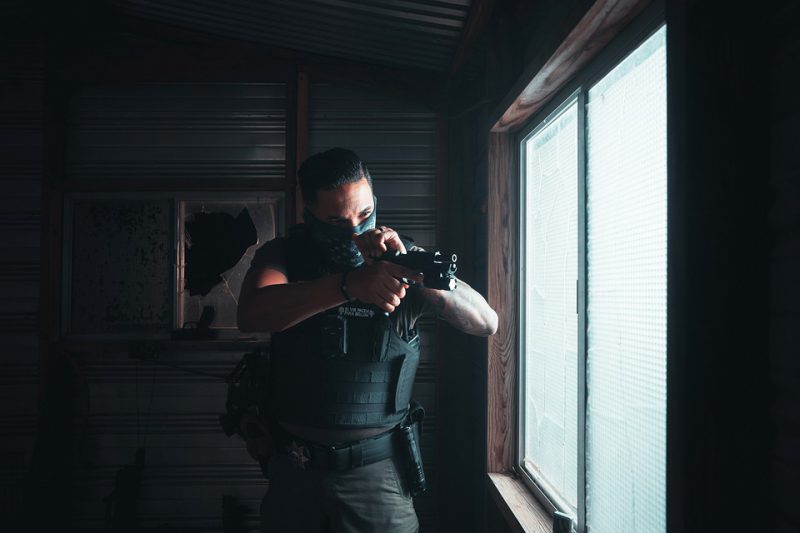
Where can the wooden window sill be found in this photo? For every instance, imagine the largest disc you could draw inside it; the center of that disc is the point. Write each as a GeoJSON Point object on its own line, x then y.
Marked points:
{"type": "Point", "coordinates": [518, 506]}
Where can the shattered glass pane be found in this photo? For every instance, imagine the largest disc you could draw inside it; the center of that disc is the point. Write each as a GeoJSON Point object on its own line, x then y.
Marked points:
{"type": "Point", "coordinates": [220, 238]}
{"type": "Point", "coordinates": [214, 243]}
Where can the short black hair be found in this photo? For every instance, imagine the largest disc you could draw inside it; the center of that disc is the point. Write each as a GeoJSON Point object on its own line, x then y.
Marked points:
{"type": "Point", "coordinates": [328, 170]}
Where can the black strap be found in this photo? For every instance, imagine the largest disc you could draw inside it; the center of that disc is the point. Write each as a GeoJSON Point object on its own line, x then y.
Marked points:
{"type": "Point", "coordinates": [355, 454]}
{"type": "Point", "coordinates": [343, 456]}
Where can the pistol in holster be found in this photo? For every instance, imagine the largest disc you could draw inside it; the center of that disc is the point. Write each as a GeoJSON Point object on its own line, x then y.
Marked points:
{"type": "Point", "coordinates": [411, 432]}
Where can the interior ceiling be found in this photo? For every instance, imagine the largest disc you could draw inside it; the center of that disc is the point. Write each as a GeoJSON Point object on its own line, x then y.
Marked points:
{"type": "Point", "coordinates": [418, 34]}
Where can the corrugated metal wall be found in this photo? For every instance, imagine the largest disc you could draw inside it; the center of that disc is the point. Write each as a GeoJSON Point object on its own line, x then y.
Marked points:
{"type": "Point", "coordinates": [21, 139]}
{"type": "Point", "coordinates": [155, 132]}
{"type": "Point", "coordinates": [398, 141]}
{"type": "Point", "coordinates": [195, 131]}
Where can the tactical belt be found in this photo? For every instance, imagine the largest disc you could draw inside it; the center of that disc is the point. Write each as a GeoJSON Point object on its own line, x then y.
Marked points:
{"type": "Point", "coordinates": [340, 457]}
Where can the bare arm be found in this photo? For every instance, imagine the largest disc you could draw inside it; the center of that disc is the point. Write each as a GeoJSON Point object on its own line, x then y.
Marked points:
{"type": "Point", "coordinates": [464, 308]}
{"type": "Point", "coordinates": [269, 303]}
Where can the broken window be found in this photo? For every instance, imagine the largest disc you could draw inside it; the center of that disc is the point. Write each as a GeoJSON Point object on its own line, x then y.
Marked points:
{"type": "Point", "coordinates": [219, 238]}
{"type": "Point", "coordinates": [146, 264]}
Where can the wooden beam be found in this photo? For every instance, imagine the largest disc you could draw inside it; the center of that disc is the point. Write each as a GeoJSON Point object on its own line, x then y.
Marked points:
{"type": "Point", "coordinates": [55, 113]}
{"type": "Point", "coordinates": [302, 137]}
{"type": "Point", "coordinates": [502, 290]}
{"type": "Point", "coordinates": [290, 136]}
{"type": "Point", "coordinates": [597, 28]}
{"type": "Point", "coordinates": [479, 14]}
{"type": "Point", "coordinates": [172, 184]}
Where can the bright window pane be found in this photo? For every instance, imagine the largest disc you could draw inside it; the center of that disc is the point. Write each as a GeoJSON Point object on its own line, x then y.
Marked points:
{"type": "Point", "coordinates": [550, 322]}
{"type": "Point", "coordinates": [627, 294]}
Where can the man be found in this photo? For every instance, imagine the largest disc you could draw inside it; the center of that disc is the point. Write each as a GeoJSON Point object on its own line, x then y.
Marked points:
{"type": "Point", "coordinates": [344, 354]}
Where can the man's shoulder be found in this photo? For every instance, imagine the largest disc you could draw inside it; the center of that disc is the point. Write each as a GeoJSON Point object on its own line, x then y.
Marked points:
{"type": "Point", "coordinates": [281, 243]}
{"type": "Point", "coordinates": [271, 254]}
{"type": "Point", "coordinates": [272, 244]}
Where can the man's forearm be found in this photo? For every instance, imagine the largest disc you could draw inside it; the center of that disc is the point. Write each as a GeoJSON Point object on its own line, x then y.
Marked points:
{"type": "Point", "coordinates": [278, 307]}
{"type": "Point", "coordinates": [464, 308]}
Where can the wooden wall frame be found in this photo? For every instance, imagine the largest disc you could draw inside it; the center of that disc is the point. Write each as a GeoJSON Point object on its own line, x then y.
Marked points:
{"type": "Point", "coordinates": [598, 27]}
{"type": "Point", "coordinates": [503, 297]}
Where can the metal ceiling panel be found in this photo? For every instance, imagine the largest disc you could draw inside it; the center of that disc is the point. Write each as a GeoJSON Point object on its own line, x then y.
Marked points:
{"type": "Point", "coordinates": [421, 34]}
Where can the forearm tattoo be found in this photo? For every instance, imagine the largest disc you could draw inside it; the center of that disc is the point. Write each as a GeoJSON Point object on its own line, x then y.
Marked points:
{"type": "Point", "coordinates": [464, 307]}
{"type": "Point", "coordinates": [460, 307]}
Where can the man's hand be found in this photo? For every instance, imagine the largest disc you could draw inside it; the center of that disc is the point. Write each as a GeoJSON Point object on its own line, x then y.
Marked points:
{"type": "Point", "coordinates": [379, 284]}
{"type": "Point", "coordinates": [374, 242]}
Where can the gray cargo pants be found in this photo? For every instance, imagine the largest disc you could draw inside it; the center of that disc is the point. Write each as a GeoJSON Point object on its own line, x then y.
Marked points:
{"type": "Point", "coordinates": [369, 498]}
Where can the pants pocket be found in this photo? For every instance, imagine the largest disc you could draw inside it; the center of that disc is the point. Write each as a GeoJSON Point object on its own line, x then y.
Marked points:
{"type": "Point", "coordinates": [397, 474]}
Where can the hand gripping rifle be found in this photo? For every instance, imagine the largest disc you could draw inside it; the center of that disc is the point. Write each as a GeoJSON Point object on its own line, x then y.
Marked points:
{"type": "Point", "coordinates": [439, 270]}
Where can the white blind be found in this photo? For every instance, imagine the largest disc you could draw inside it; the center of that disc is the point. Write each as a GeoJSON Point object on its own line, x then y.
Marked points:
{"type": "Point", "coordinates": [550, 321]}
{"type": "Point", "coordinates": [627, 294]}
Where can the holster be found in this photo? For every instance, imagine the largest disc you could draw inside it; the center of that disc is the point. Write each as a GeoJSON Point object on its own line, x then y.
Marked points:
{"type": "Point", "coordinates": [411, 433]}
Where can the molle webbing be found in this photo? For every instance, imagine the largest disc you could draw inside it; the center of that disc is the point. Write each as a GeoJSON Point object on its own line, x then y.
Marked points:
{"type": "Point", "coordinates": [341, 393]}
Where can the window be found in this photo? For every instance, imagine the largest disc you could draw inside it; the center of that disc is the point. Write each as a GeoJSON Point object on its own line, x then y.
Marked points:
{"type": "Point", "coordinates": [593, 287]}
{"type": "Point", "coordinates": [142, 265]}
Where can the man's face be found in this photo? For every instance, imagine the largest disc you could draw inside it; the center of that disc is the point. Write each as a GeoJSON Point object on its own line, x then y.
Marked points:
{"type": "Point", "coordinates": [347, 206]}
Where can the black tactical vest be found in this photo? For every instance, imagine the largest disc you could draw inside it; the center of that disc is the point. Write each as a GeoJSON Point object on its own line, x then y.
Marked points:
{"type": "Point", "coordinates": [343, 368]}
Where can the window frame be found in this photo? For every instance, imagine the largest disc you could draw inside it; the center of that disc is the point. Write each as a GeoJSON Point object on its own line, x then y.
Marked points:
{"type": "Point", "coordinates": [620, 47]}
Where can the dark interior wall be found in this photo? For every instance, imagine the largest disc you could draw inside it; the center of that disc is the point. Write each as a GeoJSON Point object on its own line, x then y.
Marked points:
{"type": "Point", "coordinates": [21, 217]}
{"type": "Point", "coordinates": [783, 73]}
{"type": "Point", "coordinates": [718, 396]}
{"type": "Point", "coordinates": [735, 218]}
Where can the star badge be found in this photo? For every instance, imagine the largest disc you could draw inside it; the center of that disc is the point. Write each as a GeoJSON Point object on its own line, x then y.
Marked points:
{"type": "Point", "coordinates": [298, 455]}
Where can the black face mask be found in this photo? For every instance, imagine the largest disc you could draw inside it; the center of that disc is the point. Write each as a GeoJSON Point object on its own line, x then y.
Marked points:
{"type": "Point", "coordinates": [337, 242]}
